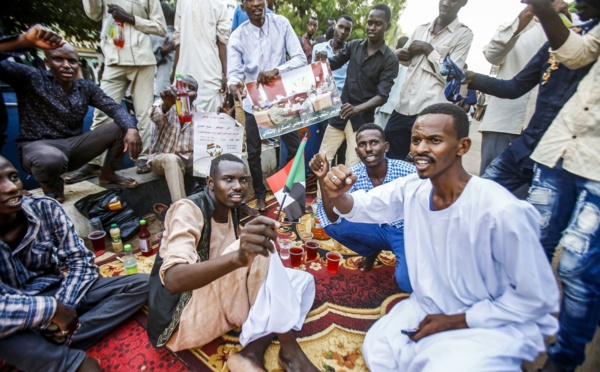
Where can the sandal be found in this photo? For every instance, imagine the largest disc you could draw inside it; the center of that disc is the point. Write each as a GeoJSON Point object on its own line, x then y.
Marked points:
{"type": "Point", "coordinates": [57, 195]}
{"type": "Point", "coordinates": [128, 183]}
{"type": "Point", "coordinates": [245, 209]}
{"type": "Point", "coordinates": [261, 206]}
{"type": "Point", "coordinates": [160, 210]}
{"type": "Point", "coordinates": [142, 167]}
{"type": "Point", "coordinates": [82, 174]}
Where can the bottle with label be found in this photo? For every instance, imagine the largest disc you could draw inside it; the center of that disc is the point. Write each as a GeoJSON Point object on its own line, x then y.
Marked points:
{"type": "Point", "coordinates": [115, 238]}
{"type": "Point", "coordinates": [118, 33]}
{"type": "Point", "coordinates": [318, 231]}
{"type": "Point", "coordinates": [183, 101]}
{"type": "Point", "coordinates": [145, 241]}
{"type": "Point", "coordinates": [129, 261]}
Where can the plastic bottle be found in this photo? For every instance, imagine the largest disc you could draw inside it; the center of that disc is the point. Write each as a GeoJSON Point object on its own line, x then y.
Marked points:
{"type": "Point", "coordinates": [183, 101]}
{"type": "Point", "coordinates": [145, 241]}
{"type": "Point", "coordinates": [129, 261]}
{"type": "Point", "coordinates": [118, 33]}
{"type": "Point", "coordinates": [115, 238]}
{"type": "Point", "coordinates": [95, 224]}
{"type": "Point", "coordinates": [318, 231]}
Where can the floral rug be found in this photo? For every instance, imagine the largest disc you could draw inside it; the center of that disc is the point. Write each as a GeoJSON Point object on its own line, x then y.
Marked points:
{"type": "Point", "coordinates": [346, 305]}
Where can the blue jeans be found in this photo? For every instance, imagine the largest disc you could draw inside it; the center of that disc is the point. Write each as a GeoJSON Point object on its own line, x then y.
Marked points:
{"type": "Point", "coordinates": [570, 209]}
{"type": "Point", "coordinates": [368, 239]}
{"type": "Point", "coordinates": [509, 172]}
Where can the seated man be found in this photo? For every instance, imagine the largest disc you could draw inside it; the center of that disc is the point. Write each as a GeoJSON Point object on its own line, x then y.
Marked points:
{"type": "Point", "coordinates": [171, 151]}
{"type": "Point", "coordinates": [41, 308]}
{"type": "Point", "coordinates": [230, 282]}
{"type": "Point", "coordinates": [373, 170]}
{"type": "Point", "coordinates": [483, 291]}
{"type": "Point", "coordinates": [52, 106]}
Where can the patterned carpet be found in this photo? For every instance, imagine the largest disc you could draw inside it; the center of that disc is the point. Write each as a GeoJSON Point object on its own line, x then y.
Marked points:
{"type": "Point", "coordinates": [346, 305]}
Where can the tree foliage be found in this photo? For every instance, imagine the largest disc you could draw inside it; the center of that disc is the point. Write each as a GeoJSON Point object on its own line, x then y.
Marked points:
{"type": "Point", "coordinates": [64, 15]}
{"type": "Point", "coordinates": [298, 11]}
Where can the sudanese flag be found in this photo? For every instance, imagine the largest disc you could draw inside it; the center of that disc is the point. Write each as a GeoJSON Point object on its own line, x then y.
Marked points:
{"type": "Point", "coordinates": [289, 185]}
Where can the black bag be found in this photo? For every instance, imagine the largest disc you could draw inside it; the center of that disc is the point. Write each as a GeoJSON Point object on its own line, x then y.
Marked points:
{"type": "Point", "coordinates": [165, 308]}
{"type": "Point", "coordinates": [96, 205]}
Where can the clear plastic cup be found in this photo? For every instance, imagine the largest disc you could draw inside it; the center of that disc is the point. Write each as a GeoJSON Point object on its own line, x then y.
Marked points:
{"type": "Point", "coordinates": [284, 248]}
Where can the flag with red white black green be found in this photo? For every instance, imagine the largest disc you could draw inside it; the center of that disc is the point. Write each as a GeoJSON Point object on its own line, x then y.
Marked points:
{"type": "Point", "coordinates": [289, 185]}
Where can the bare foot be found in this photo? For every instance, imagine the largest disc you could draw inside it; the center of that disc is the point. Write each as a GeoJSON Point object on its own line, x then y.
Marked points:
{"type": "Point", "coordinates": [261, 205]}
{"type": "Point", "coordinates": [89, 364]}
{"type": "Point", "coordinates": [366, 264]}
{"type": "Point", "coordinates": [292, 358]}
{"type": "Point", "coordinates": [245, 209]}
{"type": "Point", "coordinates": [240, 362]}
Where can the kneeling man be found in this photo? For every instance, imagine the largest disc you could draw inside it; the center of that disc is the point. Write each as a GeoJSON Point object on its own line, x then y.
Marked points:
{"type": "Point", "coordinates": [42, 308]}
{"type": "Point", "coordinates": [483, 291]}
{"type": "Point", "coordinates": [234, 281]}
{"type": "Point", "coordinates": [375, 169]}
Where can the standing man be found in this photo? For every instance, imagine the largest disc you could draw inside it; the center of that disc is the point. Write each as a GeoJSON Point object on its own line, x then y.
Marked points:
{"type": "Point", "coordinates": [307, 39]}
{"type": "Point", "coordinates": [50, 289]}
{"type": "Point", "coordinates": [557, 83]}
{"type": "Point", "coordinates": [258, 51]}
{"type": "Point", "coordinates": [513, 45]}
{"type": "Point", "coordinates": [164, 51]}
{"type": "Point", "coordinates": [428, 45]}
{"type": "Point", "coordinates": [483, 292]}
{"type": "Point", "coordinates": [342, 31]}
{"type": "Point", "coordinates": [374, 170]}
{"type": "Point", "coordinates": [201, 36]}
{"type": "Point", "coordinates": [131, 66]}
{"type": "Point", "coordinates": [566, 190]}
{"type": "Point", "coordinates": [371, 72]}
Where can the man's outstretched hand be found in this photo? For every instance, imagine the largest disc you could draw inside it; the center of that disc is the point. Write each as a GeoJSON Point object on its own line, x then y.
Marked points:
{"type": "Point", "coordinates": [338, 181]}
{"type": "Point", "coordinates": [437, 323]}
{"type": "Point", "coordinates": [133, 143]}
{"type": "Point", "coordinates": [319, 165]}
{"type": "Point", "coordinates": [256, 239]}
{"type": "Point", "coordinates": [37, 36]}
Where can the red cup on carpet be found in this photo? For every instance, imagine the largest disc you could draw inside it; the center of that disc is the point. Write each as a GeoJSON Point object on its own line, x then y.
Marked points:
{"type": "Point", "coordinates": [97, 239]}
{"type": "Point", "coordinates": [333, 262]}
{"type": "Point", "coordinates": [296, 254]}
{"type": "Point", "coordinates": [312, 249]}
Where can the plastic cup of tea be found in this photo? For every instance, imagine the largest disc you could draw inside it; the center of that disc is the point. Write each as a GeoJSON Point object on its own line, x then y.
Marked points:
{"type": "Point", "coordinates": [98, 239]}
{"type": "Point", "coordinates": [333, 262]}
{"type": "Point", "coordinates": [296, 254]}
{"type": "Point", "coordinates": [312, 249]}
{"type": "Point", "coordinates": [284, 248]}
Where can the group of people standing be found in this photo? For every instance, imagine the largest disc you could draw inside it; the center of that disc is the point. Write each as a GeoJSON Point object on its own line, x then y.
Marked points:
{"type": "Point", "coordinates": [474, 257]}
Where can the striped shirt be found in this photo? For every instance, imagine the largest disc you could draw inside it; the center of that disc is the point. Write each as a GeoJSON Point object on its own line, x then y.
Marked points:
{"type": "Point", "coordinates": [395, 169]}
{"type": "Point", "coordinates": [168, 135]}
{"type": "Point", "coordinates": [35, 265]}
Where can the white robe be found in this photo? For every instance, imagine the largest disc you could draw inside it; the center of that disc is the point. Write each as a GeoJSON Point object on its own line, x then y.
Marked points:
{"type": "Point", "coordinates": [480, 256]}
{"type": "Point", "coordinates": [198, 26]}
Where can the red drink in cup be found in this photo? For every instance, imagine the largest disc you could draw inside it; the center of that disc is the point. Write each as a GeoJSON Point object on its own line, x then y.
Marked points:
{"type": "Point", "coordinates": [312, 249]}
{"type": "Point", "coordinates": [296, 254]}
{"type": "Point", "coordinates": [97, 239]}
{"type": "Point", "coordinates": [333, 262]}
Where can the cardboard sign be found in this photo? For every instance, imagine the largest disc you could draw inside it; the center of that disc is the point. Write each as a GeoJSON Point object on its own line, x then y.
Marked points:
{"type": "Point", "coordinates": [294, 100]}
{"type": "Point", "coordinates": [214, 135]}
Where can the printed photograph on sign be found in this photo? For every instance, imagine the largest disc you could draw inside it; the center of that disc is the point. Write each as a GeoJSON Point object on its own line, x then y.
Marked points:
{"type": "Point", "coordinates": [294, 99]}
{"type": "Point", "coordinates": [214, 135]}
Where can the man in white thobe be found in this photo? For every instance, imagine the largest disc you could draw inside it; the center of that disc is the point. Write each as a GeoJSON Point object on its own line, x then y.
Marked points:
{"type": "Point", "coordinates": [201, 33]}
{"type": "Point", "coordinates": [483, 290]}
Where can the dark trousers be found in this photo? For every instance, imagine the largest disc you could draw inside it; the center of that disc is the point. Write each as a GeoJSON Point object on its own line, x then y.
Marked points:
{"type": "Point", "coordinates": [254, 148]}
{"type": "Point", "coordinates": [48, 159]}
{"type": "Point", "coordinates": [397, 132]}
{"type": "Point", "coordinates": [108, 303]}
{"type": "Point", "coordinates": [510, 173]}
